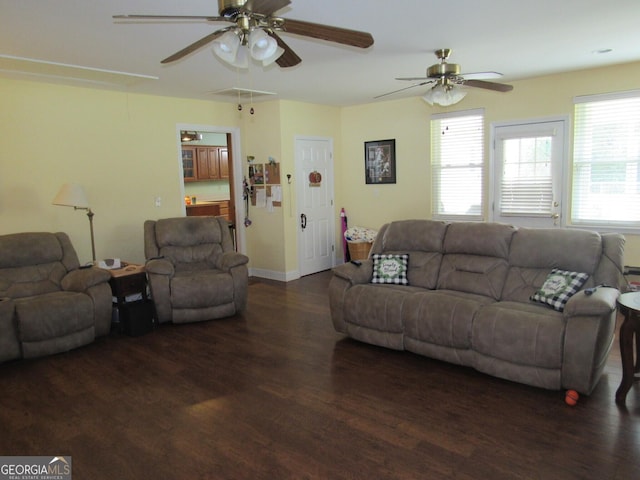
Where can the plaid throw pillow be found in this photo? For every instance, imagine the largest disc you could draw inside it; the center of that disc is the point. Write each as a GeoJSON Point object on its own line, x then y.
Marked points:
{"type": "Point", "coordinates": [390, 269]}
{"type": "Point", "coordinates": [559, 287]}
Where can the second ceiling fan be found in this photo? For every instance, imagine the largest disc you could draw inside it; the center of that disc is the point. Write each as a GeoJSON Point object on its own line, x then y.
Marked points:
{"type": "Point", "coordinates": [446, 79]}
{"type": "Point", "coordinates": [255, 26]}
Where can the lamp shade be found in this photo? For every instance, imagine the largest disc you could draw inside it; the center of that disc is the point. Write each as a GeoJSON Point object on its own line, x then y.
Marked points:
{"type": "Point", "coordinates": [276, 55]}
{"type": "Point", "coordinates": [226, 46]}
{"type": "Point", "coordinates": [71, 195]}
{"type": "Point", "coordinates": [235, 48]}
{"type": "Point", "coordinates": [261, 45]}
{"type": "Point", "coordinates": [444, 95]}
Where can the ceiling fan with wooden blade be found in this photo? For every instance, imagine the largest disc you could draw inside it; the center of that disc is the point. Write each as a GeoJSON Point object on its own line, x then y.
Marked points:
{"type": "Point", "coordinates": [248, 16]}
{"type": "Point", "coordinates": [446, 77]}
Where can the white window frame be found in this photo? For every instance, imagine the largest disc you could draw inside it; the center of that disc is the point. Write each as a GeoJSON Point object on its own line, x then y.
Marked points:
{"type": "Point", "coordinates": [480, 217]}
{"type": "Point", "coordinates": [611, 225]}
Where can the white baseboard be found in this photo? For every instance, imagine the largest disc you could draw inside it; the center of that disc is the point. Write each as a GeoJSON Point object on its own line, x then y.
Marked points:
{"type": "Point", "coordinates": [274, 275]}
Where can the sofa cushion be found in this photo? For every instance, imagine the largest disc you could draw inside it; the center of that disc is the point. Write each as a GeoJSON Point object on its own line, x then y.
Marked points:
{"type": "Point", "coordinates": [29, 248]}
{"type": "Point", "coordinates": [373, 313]}
{"type": "Point", "coordinates": [535, 252]}
{"type": "Point", "coordinates": [188, 231]}
{"type": "Point", "coordinates": [442, 317]}
{"type": "Point", "coordinates": [378, 307]}
{"type": "Point", "coordinates": [473, 274]}
{"type": "Point", "coordinates": [412, 235]}
{"type": "Point", "coordinates": [423, 239]}
{"type": "Point", "coordinates": [568, 249]}
{"type": "Point", "coordinates": [390, 268]}
{"type": "Point", "coordinates": [522, 334]}
{"type": "Point", "coordinates": [31, 280]}
{"type": "Point", "coordinates": [484, 239]}
{"type": "Point", "coordinates": [475, 258]}
{"type": "Point", "coordinates": [559, 287]}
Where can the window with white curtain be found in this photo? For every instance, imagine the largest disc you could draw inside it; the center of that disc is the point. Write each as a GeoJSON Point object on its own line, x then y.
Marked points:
{"type": "Point", "coordinates": [457, 165]}
{"type": "Point", "coordinates": [606, 161]}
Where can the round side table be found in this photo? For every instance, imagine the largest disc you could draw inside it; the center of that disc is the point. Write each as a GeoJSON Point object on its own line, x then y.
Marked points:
{"type": "Point", "coordinates": [629, 305]}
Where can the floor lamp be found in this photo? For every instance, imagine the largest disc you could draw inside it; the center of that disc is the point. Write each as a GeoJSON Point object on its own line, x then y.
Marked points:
{"type": "Point", "coordinates": [72, 195]}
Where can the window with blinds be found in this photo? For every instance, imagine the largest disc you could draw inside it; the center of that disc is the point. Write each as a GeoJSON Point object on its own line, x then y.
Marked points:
{"type": "Point", "coordinates": [527, 184]}
{"type": "Point", "coordinates": [606, 161]}
{"type": "Point", "coordinates": [457, 165]}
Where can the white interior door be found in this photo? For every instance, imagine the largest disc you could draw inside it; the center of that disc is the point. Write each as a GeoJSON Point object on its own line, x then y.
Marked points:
{"type": "Point", "coordinates": [528, 173]}
{"type": "Point", "coordinates": [314, 187]}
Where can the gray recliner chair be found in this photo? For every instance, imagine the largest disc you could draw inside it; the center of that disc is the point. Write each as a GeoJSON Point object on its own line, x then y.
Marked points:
{"type": "Point", "coordinates": [193, 270]}
{"type": "Point", "coordinates": [47, 303]}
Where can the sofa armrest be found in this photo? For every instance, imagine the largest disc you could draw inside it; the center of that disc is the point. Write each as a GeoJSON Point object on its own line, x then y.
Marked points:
{"type": "Point", "coordinates": [228, 260]}
{"type": "Point", "coordinates": [160, 271]}
{"type": "Point", "coordinates": [344, 277]}
{"type": "Point", "coordinates": [159, 266]}
{"type": "Point", "coordinates": [589, 334]}
{"type": "Point", "coordinates": [81, 279]}
{"type": "Point", "coordinates": [355, 274]}
{"type": "Point", "coordinates": [601, 302]}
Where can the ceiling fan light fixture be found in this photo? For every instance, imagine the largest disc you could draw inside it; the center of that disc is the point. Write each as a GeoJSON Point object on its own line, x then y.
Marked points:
{"type": "Point", "coordinates": [269, 60]}
{"type": "Point", "coordinates": [242, 58]}
{"type": "Point", "coordinates": [261, 45]}
{"type": "Point", "coordinates": [231, 48]}
{"type": "Point", "coordinates": [444, 95]}
{"type": "Point", "coordinates": [227, 46]}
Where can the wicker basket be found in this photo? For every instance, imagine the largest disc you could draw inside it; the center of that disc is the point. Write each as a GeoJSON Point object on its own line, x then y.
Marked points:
{"type": "Point", "coordinates": [359, 250]}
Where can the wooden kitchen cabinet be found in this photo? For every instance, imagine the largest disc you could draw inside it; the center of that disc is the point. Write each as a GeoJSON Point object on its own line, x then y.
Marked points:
{"type": "Point", "coordinates": [216, 209]}
{"type": "Point", "coordinates": [223, 162]}
{"type": "Point", "coordinates": [213, 163]}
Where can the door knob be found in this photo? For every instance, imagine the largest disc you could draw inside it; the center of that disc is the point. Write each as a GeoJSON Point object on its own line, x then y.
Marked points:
{"type": "Point", "coordinates": [303, 221]}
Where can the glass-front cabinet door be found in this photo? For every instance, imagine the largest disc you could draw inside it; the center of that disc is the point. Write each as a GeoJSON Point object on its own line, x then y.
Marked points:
{"type": "Point", "coordinates": [189, 164]}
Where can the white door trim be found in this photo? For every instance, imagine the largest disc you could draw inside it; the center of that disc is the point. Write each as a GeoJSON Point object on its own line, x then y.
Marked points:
{"type": "Point", "coordinates": [564, 195]}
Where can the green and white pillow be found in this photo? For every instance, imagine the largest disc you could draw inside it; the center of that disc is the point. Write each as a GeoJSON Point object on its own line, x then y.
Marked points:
{"type": "Point", "coordinates": [559, 287]}
{"type": "Point", "coordinates": [390, 269]}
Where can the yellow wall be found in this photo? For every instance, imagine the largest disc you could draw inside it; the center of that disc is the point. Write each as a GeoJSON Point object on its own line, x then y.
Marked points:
{"type": "Point", "coordinates": [123, 149]}
{"type": "Point", "coordinates": [261, 139]}
{"type": "Point", "coordinates": [304, 120]}
{"type": "Point", "coordinates": [408, 122]}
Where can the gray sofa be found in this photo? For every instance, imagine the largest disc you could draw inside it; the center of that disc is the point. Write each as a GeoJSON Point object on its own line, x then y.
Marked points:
{"type": "Point", "coordinates": [468, 300]}
{"type": "Point", "coordinates": [194, 272]}
{"type": "Point", "coordinates": [47, 303]}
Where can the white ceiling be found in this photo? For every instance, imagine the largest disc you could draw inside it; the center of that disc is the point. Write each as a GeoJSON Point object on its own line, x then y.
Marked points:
{"type": "Point", "coordinates": [518, 39]}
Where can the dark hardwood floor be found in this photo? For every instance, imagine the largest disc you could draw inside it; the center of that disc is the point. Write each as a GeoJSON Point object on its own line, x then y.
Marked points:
{"type": "Point", "coordinates": [277, 394]}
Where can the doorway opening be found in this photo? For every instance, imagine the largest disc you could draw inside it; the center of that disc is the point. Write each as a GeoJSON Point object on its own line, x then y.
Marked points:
{"type": "Point", "coordinates": [210, 174]}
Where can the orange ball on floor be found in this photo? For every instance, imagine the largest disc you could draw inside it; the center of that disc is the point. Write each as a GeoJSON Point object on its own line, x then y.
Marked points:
{"type": "Point", "coordinates": [571, 398]}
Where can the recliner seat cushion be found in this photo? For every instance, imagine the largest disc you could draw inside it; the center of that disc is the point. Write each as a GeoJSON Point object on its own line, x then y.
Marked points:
{"type": "Point", "coordinates": [53, 315]}
{"type": "Point", "coordinates": [201, 289]}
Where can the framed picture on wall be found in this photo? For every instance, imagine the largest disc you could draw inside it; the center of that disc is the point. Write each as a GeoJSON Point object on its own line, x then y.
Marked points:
{"type": "Point", "coordinates": [380, 161]}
